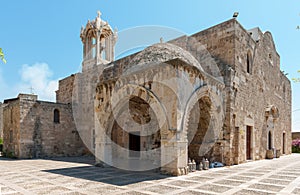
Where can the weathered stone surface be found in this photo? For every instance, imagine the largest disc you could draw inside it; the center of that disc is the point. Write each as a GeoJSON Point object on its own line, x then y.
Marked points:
{"type": "Point", "coordinates": [65, 92]}
{"type": "Point", "coordinates": [31, 132]}
{"type": "Point", "coordinates": [238, 66]}
{"type": "Point", "coordinates": [218, 94]}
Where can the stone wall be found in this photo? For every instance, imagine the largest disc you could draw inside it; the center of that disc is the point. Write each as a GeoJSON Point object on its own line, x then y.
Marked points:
{"type": "Point", "coordinates": [64, 93]}
{"type": "Point", "coordinates": [295, 135]}
{"type": "Point", "coordinates": [254, 83]}
{"type": "Point", "coordinates": [250, 66]}
{"type": "Point", "coordinates": [266, 83]}
{"type": "Point", "coordinates": [36, 134]}
{"type": "Point", "coordinates": [11, 127]}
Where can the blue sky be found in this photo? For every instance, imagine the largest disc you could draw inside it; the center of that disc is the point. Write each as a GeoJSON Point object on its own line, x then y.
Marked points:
{"type": "Point", "coordinates": [41, 38]}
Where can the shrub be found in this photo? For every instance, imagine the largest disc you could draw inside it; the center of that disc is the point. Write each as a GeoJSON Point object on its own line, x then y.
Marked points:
{"type": "Point", "coordinates": [9, 154]}
{"type": "Point", "coordinates": [296, 146]}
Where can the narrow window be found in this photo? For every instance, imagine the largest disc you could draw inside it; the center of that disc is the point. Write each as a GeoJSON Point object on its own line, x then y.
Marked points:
{"type": "Point", "coordinates": [249, 63]}
{"type": "Point", "coordinates": [93, 47]}
{"type": "Point", "coordinates": [103, 53]}
{"type": "Point", "coordinates": [56, 116]}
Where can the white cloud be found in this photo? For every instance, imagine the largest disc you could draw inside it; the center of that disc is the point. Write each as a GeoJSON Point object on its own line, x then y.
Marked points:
{"type": "Point", "coordinates": [38, 76]}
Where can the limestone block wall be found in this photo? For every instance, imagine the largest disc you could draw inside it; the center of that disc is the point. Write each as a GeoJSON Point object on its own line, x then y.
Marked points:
{"type": "Point", "coordinates": [11, 128]}
{"type": "Point", "coordinates": [30, 130]}
{"type": "Point", "coordinates": [256, 89]}
{"type": "Point", "coordinates": [65, 90]}
{"type": "Point", "coordinates": [219, 41]}
{"type": "Point", "coordinates": [295, 135]}
{"type": "Point", "coordinates": [41, 136]}
{"type": "Point", "coordinates": [234, 48]}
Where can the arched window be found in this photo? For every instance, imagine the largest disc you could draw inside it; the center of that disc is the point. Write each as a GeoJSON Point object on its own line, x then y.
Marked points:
{"type": "Point", "coordinates": [93, 50]}
{"type": "Point", "coordinates": [270, 140]}
{"type": "Point", "coordinates": [56, 116]}
{"type": "Point", "coordinates": [249, 62]}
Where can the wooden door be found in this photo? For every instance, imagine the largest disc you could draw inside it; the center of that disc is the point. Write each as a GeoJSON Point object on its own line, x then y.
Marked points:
{"type": "Point", "coordinates": [248, 142]}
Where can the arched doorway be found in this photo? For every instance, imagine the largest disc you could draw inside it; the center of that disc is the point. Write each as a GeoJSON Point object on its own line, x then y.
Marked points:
{"type": "Point", "coordinates": [135, 131]}
{"type": "Point", "coordinates": [199, 137]}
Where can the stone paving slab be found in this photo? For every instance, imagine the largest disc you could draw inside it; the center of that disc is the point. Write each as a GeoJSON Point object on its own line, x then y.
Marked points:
{"type": "Point", "coordinates": [79, 176]}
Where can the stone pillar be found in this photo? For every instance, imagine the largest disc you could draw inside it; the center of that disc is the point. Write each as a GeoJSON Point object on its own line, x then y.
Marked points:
{"type": "Point", "coordinates": [103, 150]}
{"type": "Point", "coordinates": [174, 155]}
{"type": "Point", "coordinates": [98, 48]}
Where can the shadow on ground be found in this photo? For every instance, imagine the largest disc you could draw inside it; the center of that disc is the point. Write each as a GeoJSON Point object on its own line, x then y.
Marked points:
{"type": "Point", "coordinates": [109, 175]}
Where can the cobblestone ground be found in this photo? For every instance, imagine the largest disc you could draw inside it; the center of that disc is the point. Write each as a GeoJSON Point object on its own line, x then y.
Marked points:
{"type": "Point", "coordinates": [78, 176]}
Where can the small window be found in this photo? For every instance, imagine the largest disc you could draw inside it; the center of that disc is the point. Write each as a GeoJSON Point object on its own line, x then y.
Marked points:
{"type": "Point", "coordinates": [249, 62]}
{"type": "Point", "coordinates": [56, 116]}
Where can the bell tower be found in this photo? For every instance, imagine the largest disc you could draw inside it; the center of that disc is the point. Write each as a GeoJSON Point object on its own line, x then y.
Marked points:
{"type": "Point", "coordinates": [98, 41]}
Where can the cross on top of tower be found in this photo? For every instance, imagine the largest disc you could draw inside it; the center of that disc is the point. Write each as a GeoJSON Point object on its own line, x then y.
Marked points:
{"type": "Point", "coordinates": [31, 90]}
{"type": "Point", "coordinates": [99, 14]}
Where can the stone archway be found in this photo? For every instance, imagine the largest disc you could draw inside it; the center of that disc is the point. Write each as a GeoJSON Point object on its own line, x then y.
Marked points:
{"type": "Point", "coordinates": [163, 93]}
{"type": "Point", "coordinates": [198, 127]}
{"type": "Point", "coordinates": [272, 115]}
{"type": "Point", "coordinates": [203, 124]}
{"type": "Point", "coordinates": [129, 125]}
{"type": "Point", "coordinates": [133, 136]}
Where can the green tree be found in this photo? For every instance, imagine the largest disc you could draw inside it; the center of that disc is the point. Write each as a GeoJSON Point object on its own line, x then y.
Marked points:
{"type": "Point", "coordinates": [2, 56]}
{"type": "Point", "coordinates": [296, 79]}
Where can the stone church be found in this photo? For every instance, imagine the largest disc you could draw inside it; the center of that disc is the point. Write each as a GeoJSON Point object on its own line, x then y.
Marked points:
{"type": "Point", "coordinates": [218, 94]}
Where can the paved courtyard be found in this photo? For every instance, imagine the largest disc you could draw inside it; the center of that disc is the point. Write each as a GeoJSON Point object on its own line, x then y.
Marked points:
{"type": "Point", "coordinates": [78, 176]}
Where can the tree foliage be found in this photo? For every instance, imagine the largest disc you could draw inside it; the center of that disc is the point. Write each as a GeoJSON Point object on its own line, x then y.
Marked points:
{"type": "Point", "coordinates": [2, 56]}
{"type": "Point", "coordinates": [296, 79]}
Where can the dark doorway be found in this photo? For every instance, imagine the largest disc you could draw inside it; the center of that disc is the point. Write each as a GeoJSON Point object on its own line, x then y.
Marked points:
{"type": "Point", "coordinates": [248, 144]}
{"type": "Point", "coordinates": [134, 144]}
{"type": "Point", "coordinates": [283, 143]}
{"type": "Point", "coordinates": [270, 140]}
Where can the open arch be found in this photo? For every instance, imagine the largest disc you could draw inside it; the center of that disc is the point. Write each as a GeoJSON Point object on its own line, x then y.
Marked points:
{"type": "Point", "coordinates": [204, 104]}
{"type": "Point", "coordinates": [199, 128]}
{"type": "Point", "coordinates": [134, 136]}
